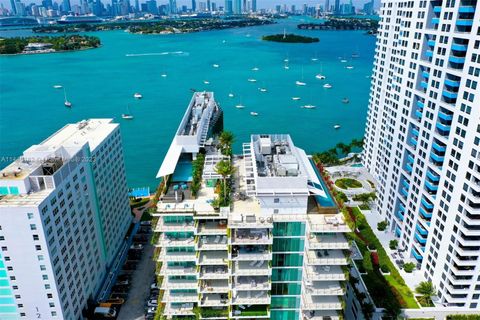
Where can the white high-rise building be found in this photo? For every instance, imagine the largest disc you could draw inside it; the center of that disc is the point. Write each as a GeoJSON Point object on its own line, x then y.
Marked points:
{"type": "Point", "coordinates": [64, 213]}
{"type": "Point", "coordinates": [422, 140]}
{"type": "Point", "coordinates": [275, 250]}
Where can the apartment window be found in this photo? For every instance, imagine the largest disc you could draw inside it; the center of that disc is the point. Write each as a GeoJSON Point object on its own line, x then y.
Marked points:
{"type": "Point", "coordinates": [33, 227]}
{"type": "Point", "coordinates": [276, 200]}
{"type": "Point", "coordinates": [35, 237]}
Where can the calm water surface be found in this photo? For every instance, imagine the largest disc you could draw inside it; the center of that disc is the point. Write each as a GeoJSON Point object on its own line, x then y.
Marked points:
{"type": "Point", "coordinates": [101, 82]}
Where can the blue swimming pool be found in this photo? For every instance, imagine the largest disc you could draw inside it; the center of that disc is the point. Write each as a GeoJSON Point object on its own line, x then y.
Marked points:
{"type": "Point", "coordinates": [323, 201]}
{"type": "Point", "coordinates": [357, 165]}
{"type": "Point", "coordinates": [183, 172]}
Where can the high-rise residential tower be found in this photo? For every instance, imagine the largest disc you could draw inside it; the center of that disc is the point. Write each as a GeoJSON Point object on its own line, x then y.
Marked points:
{"type": "Point", "coordinates": [64, 213]}
{"type": "Point", "coordinates": [422, 140]}
{"type": "Point", "coordinates": [275, 249]}
{"type": "Point", "coordinates": [194, 5]}
{"type": "Point", "coordinates": [237, 6]}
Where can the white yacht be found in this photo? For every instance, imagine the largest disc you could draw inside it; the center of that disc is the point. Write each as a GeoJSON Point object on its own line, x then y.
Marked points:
{"type": "Point", "coordinates": [296, 98]}
{"type": "Point", "coordinates": [206, 82]}
{"type": "Point", "coordinates": [327, 86]}
{"type": "Point", "coordinates": [67, 103]}
{"type": "Point", "coordinates": [231, 95]}
{"type": "Point", "coordinates": [163, 75]}
{"type": "Point", "coordinates": [308, 106]}
{"type": "Point", "coordinates": [337, 126]}
{"type": "Point", "coordinates": [255, 69]}
{"type": "Point", "coordinates": [254, 114]}
{"type": "Point", "coordinates": [137, 96]}
{"type": "Point", "coordinates": [57, 86]}
{"type": "Point", "coordinates": [300, 83]}
{"type": "Point", "coordinates": [240, 106]}
{"type": "Point", "coordinates": [252, 80]}
{"type": "Point", "coordinates": [320, 77]}
{"type": "Point", "coordinates": [349, 67]}
{"type": "Point", "coordinates": [262, 89]}
{"type": "Point", "coordinates": [216, 65]}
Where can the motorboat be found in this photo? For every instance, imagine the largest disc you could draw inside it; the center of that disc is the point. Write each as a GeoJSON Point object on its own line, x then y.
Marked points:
{"type": "Point", "coordinates": [309, 106]}
{"type": "Point", "coordinates": [253, 114]}
{"type": "Point", "coordinates": [163, 75]}
{"type": "Point", "coordinates": [231, 95]}
{"type": "Point", "coordinates": [240, 106]}
{"type": "Point", "coordinates": [296, 98]}
{"type": "Point", "coordinates": [216, 65]}
{"type": "Point", "coordinates": [57, 86]}
{"type": "Point", "coordinates": [300, 83]}
{"type": "Point", "coordinates": [206, 82]}
{"type": "Point", "coordinates": [327, 86]}
{"type": "Point", "coordinates": [320, 77]}
{"type": "Point", "coordinates": [337, 126]}
{"type": "Point", "coordinates": [252, 80]}
{"type": "Point", "coordinates": [255, 69]}
{"type": "Point", "coordinates": [349, 67]}
{"type": "Point", "coordinates": [137, 96]}
{"type": "Point", "coordinates": [345, 100]}
{"type": "Point", "coordinates": [262, 89]}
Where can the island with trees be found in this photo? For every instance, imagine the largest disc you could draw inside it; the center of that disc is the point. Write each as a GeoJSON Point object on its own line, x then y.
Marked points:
{"type": "Point", "coordinates": [158, 27]}
{"type": "Point", "coordinates": [45, 44]}
{"type": "Point", "coordinates": [289, 38]}
{"type": "Point", "coordinates": [344, 23]}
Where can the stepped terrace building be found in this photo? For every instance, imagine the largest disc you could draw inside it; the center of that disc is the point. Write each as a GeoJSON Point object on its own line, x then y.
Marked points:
{"type": "Point", "coordinates": [277, 250]}
{"type": "Point", "coordinates": [422, 140]}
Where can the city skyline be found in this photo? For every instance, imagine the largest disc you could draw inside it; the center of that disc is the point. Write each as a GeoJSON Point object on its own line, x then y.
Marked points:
{"type": "Point", "coordinates": [263, 4]}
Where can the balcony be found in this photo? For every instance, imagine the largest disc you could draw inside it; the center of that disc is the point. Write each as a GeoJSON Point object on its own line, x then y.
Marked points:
{"type": "Point", "coordinates": [431, 187]}
{"type": "Point", "coordinates": [186, 226]}
{"type": "Point", "coordinates": [324, 288]}
{"type": "Point", "coordinates": [187, 270]}
{"type": "Point", "coordinates": [417, 255]}
{"type": "Point", "coordinates": [212, 257]}
{"type": "Point", "coordinates": [452, 83]}
{"type": "Point", "coordinates": [214, 299]}
{"type": "Point", "coordinates": [424, 85]}
{"type": "Point", "coordinates": [425, 214]}
{"type": "Point", "coordinates": [431, 43]}
{"type": "Point", "coordinates": [466, 9]}
{"type": "Point", "coordinates": [404, 192]}
{"type": "Point", "coordinates": [420, 104]}
{"type": "Point", "coordinates": [437, 157]}
{"type": "Point", "coordinates": [310, 302]}
{"type": "Point", "coordinates": [445, 116]}
{"type": "Point", "coordinates": [420, 239]}
{"type": "Point", "coordinates": [425, 74]}
{"type": "Point", "coordinates": [421, 230]}
{"type": "Point", "coordinates": [415, 132]}
{"type": "Point", "coordinates": [252, 283]}
{"type": "Point", "coordinates": [426, 203]}
{"type": "Point", "coordinates": [435, 20]}
{"type": "Point", "coordinates": [166, 255]}
{"type": "Point", "coordinates": [251, 297]}
{"type": "Point", "coordinates": [213, 272]}
{"type": "Point", "coordinates": [325, 273]}
{"type": "Point", "coordinates": [212, 227]}
{"type": "Point", "coordinates": [250, 311]}
{"type": "Point", "coordinates": [410, 158]}
{"type": "Point", "coordinates": [437, 9]}
{"type": "Point", "coordinates": [326, 257]}
{"type": "Point", "coordinates": [180, 297]}
{"type": "Point", "coordinates": [251, 252]}
{"type": "Point", "coordinates": [328, 241]}
{"type": "Point", "coordinates": [464, 22]}
{"type": "Point", "coordinates": [459, 47]}
{"type": "Point", "coordinates": [443, 127]}
{"type": "Point", "coordinates": [327, 223]}
{"type": "Point", "coordinates": [179, 284]}
{"type": "Point", "coordinates": [450, 94]}
{"type": "Point", "coordinates": [252, 268]}
{"type": "Point", "coordinates": [217, 286]}
{"type": "Point", "coordinates": [408, 168]}
{"type": "Point", "coordinates": [457, 60]}
{"type": "Point", "coordinates": [418, 114]}
{"type": "Point", "coordinates": [400, 215]}
{"type": "Point", "coordinates": [171, 241]}
{"type": "Point", "coordinates": [413, 142]}
{"type": "Point", "coordinates": [432, 176]}
{"type": "Point", "coordinates": [398, 231]}
{"type": "Point", "coordinates": [405, 183]}
{"type": "Point", "coordinates": [212, 243]}
{"type": "Point", "coordinates": [251, 236]}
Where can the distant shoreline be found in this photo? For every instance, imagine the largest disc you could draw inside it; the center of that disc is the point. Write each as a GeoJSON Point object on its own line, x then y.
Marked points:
{"type": "Point", "coordinates": [56, 51]}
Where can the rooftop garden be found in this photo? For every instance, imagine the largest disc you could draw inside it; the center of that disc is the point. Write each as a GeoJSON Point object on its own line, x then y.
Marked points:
{"type": "Point", "coordinates": [378, 271]}
{"type": "Point", "coordinates": [347, 183]}
{"type": "Point", "coordinates": [226, 169]}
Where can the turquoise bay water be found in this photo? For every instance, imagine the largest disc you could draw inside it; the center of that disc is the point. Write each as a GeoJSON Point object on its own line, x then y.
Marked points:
{"type": "Point", "coordinates": [101, 82]}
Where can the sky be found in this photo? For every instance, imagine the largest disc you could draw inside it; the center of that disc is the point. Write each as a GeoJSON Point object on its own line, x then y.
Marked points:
{"type": "Point", "coordinates": [261, 4]}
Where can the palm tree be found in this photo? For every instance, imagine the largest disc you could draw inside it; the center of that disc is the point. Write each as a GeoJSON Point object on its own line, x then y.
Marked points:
{"type": "Point", "coordinates": [226, 140]}
{"type": "Point", "coordinates": [225, 169]}
{"type": "Point", "coordinates": [344, 148]}
{"type": "Point", "coordinates": [427, 290]}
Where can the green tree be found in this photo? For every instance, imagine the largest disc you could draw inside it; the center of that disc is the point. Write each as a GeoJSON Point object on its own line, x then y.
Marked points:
{"type": "Point", "coordinates": [409, 267]}
{"type": "Point", "coordinates": [226, 140]}
{"type": "Point", "coordinates": [225, 169]}
{"type": "Point", "coordinates": [426, 290]}
{"type": "Point", "coordinates": [393, 244]}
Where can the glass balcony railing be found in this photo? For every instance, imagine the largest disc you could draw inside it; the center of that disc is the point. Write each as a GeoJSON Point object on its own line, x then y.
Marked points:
{"type": "Point", "coordinates": [413, 141]}
{"type": "Point", "coordinates": [431, 43]}
{"type": "Point", "coordinates": [405, 184]}
{"type": "Point", "coordinates": [439, 147]}
{"type": "Point", "coordinates": [410, 158]}
{"type": "Point", "coordinates": [464, 22]}
{"type": "Point", "coordinates": [402, 208]}
{"type": "Point", "coordinates": [398, 231]}
{"type": "Point", "coordinates": [420, 104]}
{"type": "Point", "coordinates": [424, 84]}
{"type": "Point", "coordinates": [437, 9]}
{"type": "Point", "coordinates": [427, 204]}
{"type": "Point", "coordinates": [432, 176]}
{"type": "Point", "coordinates": [404, 192]}
{"type": "Point", "coordinates": [425, 74]}
{"type": "Point", "coordinates": [429, 53]}
{"type": "Point", "coordinates": [430, 186]}
{"type": "Point", "coordinates": [455, 59]}
{"type": "Point", "coordinates": [425, 214]}
{"type": "Point", "coordinates": [415, 132]}
{"type": "Point", "coordinates": [435, 20]}
{"type": "Point", "coordinates": [450, 94]}
{"type": "Point", "coordinates": [459, 47]}
{"type": "Point", "coordinates": [400, 215]}
{"type": "Point", "coordinates": [443, 127]}
{"type": "Point", "coordinates": [452, 83]}
{"type": "Point", "coordinates": [420, 239]}
{"type": "Point", "coordinates": [445, 116]}
{"type": "Point", "coordinates": [408, 168]}
{"type": "Point", "coordinates": [466, 9]}
{"type": "Point", "coordinates": [421, 230]}
{"type": "Point", "coordinates": [418, 114]}
{"type": "Point", "coordinates": [417, 255]}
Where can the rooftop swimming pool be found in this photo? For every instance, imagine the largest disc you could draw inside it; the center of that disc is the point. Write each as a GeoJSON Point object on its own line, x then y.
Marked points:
{"type": "Point", "coordinates": [183, 172]}
{"type": "Point", "coordinates": [323, 201]}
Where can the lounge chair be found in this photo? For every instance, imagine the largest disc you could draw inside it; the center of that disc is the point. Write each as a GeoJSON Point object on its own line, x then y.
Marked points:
{"type": "Point", "coordinates": [217, 239]}
{"type": "Point", "coordinates": [252, 263]}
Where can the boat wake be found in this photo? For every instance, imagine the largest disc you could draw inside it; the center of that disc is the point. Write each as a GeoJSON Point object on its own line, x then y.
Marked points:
{"type": "Point", "coordinates": [173, 53]}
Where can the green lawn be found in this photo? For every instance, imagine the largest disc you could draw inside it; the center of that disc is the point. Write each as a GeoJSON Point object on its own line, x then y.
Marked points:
{"type": "Point", "coordinates": [399, 295]}
{"type": "Point", "coordinates": [346, 183]}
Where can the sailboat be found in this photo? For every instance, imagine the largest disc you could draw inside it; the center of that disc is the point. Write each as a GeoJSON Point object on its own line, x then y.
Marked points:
{"type": "Point", "coordinates": [300, 83]}
{"type": "Point", "coordinates": [231, 95]}
{"type": "Point", "coordinates": [315, 57]}
{"type": "Point", "coordinates": [252, 80]}
{"type": "Point", "coordinates": [286, 67]}
{"type": "Point", "coordinates": [320, 76]}
{"type": "Point", "coordinates": [57, 86]}
{"type": "Point", "coordinates": [327, 86]}
{"type": "Point", "coordinates": [308, 106]}
{"type": "Point", "coordinates": [67, 103]}
{"type": "Point", "coordinates": [216, 65]}
{"type": "Point", "coordinates": [296, 98]}
{"type": "Point", "coordinates": [128, 115]}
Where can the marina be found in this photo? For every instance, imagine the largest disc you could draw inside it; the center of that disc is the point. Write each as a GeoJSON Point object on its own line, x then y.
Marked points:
{"type": "Point", "coordinates": [104, 88]}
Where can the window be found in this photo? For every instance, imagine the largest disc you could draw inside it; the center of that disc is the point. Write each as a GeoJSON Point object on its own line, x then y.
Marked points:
{"type": "Point", "coordinates": [276, 200]}
{"type": "Point", "coordinates": [33, 227]}
{"type": "Point", "coordinates": [30, 215]}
